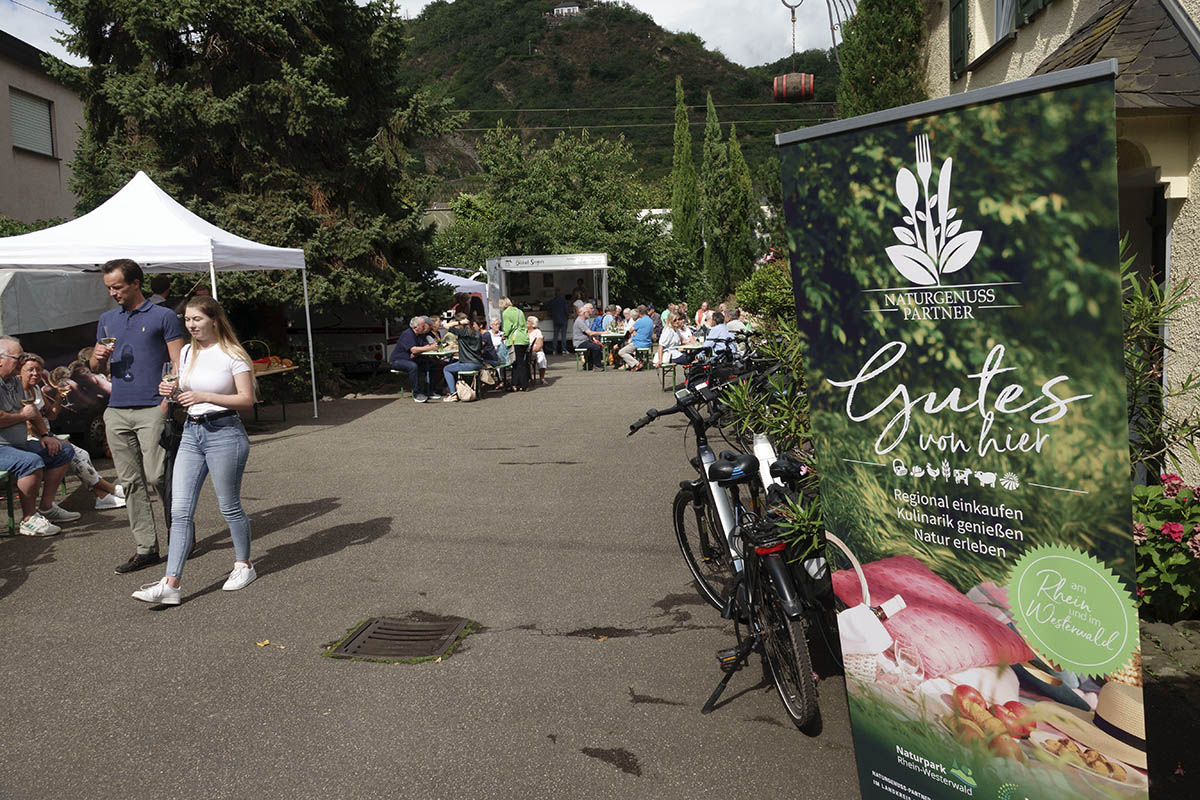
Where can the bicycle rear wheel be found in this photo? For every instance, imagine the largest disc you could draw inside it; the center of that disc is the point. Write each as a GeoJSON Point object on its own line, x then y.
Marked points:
{"type": "Point", "coordinates": [787, 654]}
{"type": "Point", "coordinates": [704, 549]}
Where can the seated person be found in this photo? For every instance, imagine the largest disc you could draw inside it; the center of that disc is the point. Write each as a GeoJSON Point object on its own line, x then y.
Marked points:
{"type": "Point", "coordinates": [496, 332]}
{"type": "Point", "coordinates": [409, 346]}
{"type": "Point", "coordinates": [642, 337]}
{"type": "Point", "coordinates": [733, 321]}
{"type": "Point", "coordinates": [674, 334]}
{"type": "Point", "coordinates": [34, 464]}
{"type": "Point", "coordinates": [584, 338]}
{"type": "Point", "coordinates": [720, 339]}
{"type": "Point", "coordinates": [48, 401]}
{"type": "Point", "coordinates": [537, 347]}
{"type": "Point", "coordinates": [470, 353]}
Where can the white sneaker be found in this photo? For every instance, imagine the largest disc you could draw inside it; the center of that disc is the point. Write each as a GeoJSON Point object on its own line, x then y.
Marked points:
{"type": "Point", "coordinates": [450, 398]}
{"type": "Point", "coordinates": [109, 502]}
{"type": "Point", "coordinates": [38, 525]}
{"type": "Point", "coordinates": [434, 396]}
{"type": "Point", "coordinates": [419, 398]}
{"type": "Point", "coordinates": [241, 577]}
{"type": "Point", "coordinates": [56, 514]}
{"type": "Point", "coordinates": [120, 491]}
{"type": "Point", "coordinates": [161, 593]}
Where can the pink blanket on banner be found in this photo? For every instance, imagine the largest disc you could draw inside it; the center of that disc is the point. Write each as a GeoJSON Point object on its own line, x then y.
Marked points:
{"type": "Point", "coordinates": [948, 631]}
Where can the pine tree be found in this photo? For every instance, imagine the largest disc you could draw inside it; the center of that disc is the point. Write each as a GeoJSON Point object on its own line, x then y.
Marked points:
{"type": "Point", "coordinates": [714, 178]}
{"type": "Point", "coordinates": [291, 123]}
{"type": "Point", "coordinates": [881, 57]}
{"type": "Point", "coordinates": [685, 202]}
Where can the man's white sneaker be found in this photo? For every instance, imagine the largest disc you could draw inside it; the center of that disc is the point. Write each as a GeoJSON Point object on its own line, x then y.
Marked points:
{"type": "Point", "coordinates": [161, 593]}
{"type": "Point", "coordinates": [109, 501]}
{"type": "Point", "coordinates": [419, 398]}
{"type": "Point", "coordinates": [38, 525]}
{"type": "Point", "coordinates": [241, 577]}
{"type": "Point", "coordinates": [56, 514]}
{"type": "Point", "coordinates": [120, 491]}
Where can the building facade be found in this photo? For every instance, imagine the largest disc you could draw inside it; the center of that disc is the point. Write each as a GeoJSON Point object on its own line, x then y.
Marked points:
{"type": "Point", "coordinates": [1156, 43]}
{"type": "Point", "coordinates": [40, 122]}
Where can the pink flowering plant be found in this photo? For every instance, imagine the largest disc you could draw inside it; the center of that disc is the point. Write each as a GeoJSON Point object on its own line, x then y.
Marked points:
{"type": "Point", "coordinates": [1166, 531]}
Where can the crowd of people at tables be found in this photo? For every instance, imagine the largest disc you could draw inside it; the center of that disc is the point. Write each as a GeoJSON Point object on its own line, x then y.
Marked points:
{"type": "Point", "coordinates": [433, 350]}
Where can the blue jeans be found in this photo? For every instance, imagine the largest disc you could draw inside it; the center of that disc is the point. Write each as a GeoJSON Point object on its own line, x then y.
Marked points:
{"type": "Point", "coordinates": [559, 337]}
{"type": "Point", "coordinates": [451, 370]}
{"type": "Point", "coordinates": [420, 375]}
{"type": "Point", "coordinates": [220, 448]}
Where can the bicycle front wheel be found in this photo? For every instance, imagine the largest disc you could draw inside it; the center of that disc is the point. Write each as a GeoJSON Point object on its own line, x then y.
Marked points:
{"type": "Point", "coordinates": [788, 658]}
{"type": "Point", "coordinates": [704, 549]}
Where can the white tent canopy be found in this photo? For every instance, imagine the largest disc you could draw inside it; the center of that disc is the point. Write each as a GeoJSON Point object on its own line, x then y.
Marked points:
{"type": "Point", "coordinates": [461, 284]}
{"type": "Point", "coordinates": [144, 223]}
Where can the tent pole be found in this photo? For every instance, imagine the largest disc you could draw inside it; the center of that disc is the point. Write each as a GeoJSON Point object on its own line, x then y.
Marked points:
{"type": "Point", "coordinates": [212, 273]}
{"type": "Point", "coordinates": [312, 364]}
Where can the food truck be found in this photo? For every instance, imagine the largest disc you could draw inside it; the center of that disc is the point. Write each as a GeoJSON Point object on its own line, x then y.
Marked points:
{"type": "Point", "coordinates": [531, 281]}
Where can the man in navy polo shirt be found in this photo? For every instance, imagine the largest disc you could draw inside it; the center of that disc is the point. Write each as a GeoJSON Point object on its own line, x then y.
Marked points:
{"type": "Point", "coordinates": [147, 336]}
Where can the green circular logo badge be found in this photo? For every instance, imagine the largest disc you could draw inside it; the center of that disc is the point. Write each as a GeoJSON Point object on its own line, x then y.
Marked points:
{"type": "Point", "coordinates": [1073, 611]}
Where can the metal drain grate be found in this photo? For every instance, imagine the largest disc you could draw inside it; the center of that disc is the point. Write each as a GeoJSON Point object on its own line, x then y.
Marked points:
{"type": "Point", "coordinates": [385, 637]}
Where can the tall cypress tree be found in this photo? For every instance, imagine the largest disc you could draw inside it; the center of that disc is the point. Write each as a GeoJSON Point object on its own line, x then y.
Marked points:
{"type": "Point", "coordinates": [685, 202]}
{"type": "Point", "coordinates": [714, 178]}
{"type": "Point", "coordinates": [881, 57]}
{"type": "Point", "coordinates": [743, 208]}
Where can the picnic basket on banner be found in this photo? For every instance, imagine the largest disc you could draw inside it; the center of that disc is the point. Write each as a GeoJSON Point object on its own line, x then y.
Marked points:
{"type": "Point", "coordinates": [863, 636]}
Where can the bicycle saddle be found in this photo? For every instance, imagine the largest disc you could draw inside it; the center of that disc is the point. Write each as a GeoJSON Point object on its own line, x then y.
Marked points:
{"type": "Point", "coordinates": [788, 468]}
{"type": "Point", "coordinates": [731, 468]}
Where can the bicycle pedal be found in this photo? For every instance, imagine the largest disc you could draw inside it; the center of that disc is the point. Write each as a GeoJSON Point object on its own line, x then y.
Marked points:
{"type": "Point", "coordinates": [728, 656]}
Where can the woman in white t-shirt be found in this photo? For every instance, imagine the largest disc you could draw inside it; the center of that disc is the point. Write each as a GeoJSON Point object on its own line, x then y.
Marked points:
{"type": "Point", "coordinates": [537, 346]}
{"type": "Point", "coordinates": [216, 380]}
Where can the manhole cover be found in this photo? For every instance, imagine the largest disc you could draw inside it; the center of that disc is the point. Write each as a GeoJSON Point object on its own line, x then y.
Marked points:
{"type": "Point", "coordinates": [387, 638]}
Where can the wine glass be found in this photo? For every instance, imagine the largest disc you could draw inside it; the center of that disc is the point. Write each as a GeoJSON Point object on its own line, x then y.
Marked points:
{"type": "Point", "coordinates": [110, 336]}
{"type": "Point", "coordinates": [171, 375]}
{"type": "Point", "coordinates": [64, 391]}
{"type": "Point", "coordinates": [909, 665]}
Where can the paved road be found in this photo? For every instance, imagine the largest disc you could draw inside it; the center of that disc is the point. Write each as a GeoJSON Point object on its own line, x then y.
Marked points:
{"type": "Point", "coordinates": [531, 514]}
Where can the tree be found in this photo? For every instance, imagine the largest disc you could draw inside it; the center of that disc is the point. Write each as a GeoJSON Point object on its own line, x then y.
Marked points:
{"type": "Point", "coordinates": [714, 177]}
{"type": "Point", "coordinates": [742, 244]}
{"type": "Point", "coordinates": [685, 203]}
{"type": "Point", "coordinates": [286, 121]}
{"type": "Point", "coordinates": [881, 57]}
{"type": "Point", "coordinates": [581, 194]}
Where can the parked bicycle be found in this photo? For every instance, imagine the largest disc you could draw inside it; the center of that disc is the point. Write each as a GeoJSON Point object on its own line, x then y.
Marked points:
{"type": "Point", "coordinates": [756, 589]}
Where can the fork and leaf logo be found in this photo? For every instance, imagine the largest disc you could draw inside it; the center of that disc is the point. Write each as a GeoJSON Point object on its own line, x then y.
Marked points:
{"type": "Point", "coordinates": [932, 244]}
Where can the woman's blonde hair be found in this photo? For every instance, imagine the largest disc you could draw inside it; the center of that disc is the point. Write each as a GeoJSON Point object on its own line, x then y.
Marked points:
{"type": "Point", "coordinates": [504, 302]}
{"type": "Point", "coordinates": [226, 339]}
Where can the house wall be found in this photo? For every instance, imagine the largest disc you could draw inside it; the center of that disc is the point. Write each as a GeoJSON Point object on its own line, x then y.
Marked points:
{"type": "Point", "coordinates": [1169, 146]}
{"type": "Point", "coordinates": [34, 186]}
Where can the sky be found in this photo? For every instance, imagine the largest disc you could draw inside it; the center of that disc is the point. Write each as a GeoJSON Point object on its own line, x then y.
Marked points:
{"type": "Point", "coordinates": [748, 32]}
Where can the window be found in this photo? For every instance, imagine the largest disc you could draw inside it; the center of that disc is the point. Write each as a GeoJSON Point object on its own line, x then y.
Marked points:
{"type": "Point", "coordinates": [979, 28]}
{"type": "Point", "coordinates": [32, 128]}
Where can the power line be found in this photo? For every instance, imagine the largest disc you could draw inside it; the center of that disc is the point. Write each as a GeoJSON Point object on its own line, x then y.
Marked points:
{"type": "Point", "coordinates": [36, 10]}
{"type": "Point", "coordinates": [647, 124]}
{"type": "Point", "coordinates": [621, 108]}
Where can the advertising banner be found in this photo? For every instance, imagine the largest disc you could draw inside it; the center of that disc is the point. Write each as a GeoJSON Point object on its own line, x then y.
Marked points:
{"type": "Point", "coordinates": [956, 273]}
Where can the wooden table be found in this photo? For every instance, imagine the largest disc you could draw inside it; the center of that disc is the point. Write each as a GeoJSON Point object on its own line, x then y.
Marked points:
{"type": "Point", "coordinates": [609, 340]}
{"type": "Point", "coordinates": [262, 373]}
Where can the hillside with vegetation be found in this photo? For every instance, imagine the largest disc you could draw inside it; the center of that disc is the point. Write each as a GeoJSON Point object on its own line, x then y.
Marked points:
{"type": "Point", "coordinates": [610, 69]}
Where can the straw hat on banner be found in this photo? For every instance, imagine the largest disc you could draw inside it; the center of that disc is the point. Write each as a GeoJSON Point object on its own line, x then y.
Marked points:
{"type": "Point", "coordinates": [1116, 730]}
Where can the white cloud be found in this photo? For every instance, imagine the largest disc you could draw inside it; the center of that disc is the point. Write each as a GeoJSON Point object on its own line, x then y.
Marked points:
{"type": "Point", "coordinates": [39, 30]}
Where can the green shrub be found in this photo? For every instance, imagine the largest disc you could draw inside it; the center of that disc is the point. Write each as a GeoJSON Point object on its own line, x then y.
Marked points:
{"type": "Point", "coordinates": [1166, 530]}
{"type": "Point", "coordinates": [767, 293]}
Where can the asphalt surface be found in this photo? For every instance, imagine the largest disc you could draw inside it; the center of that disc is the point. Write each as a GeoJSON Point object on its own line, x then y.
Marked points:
{"type": "Point", "coordinates": [531, 514]}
